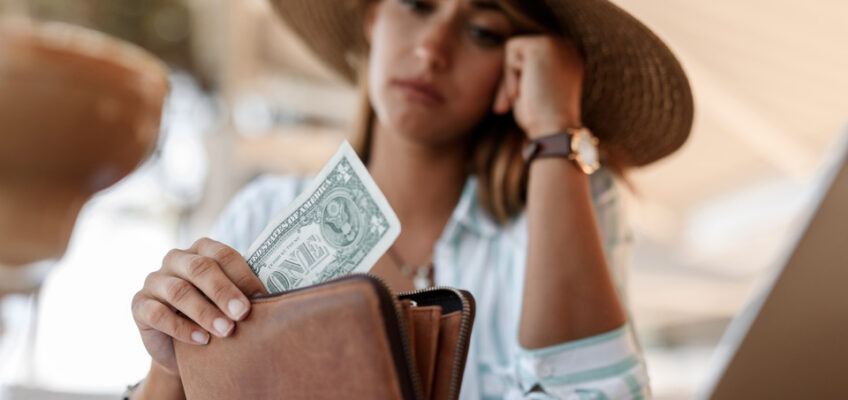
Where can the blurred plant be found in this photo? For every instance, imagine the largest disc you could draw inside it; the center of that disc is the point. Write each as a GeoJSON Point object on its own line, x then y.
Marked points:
{"type": "Point", "coordinates": [163, 27]}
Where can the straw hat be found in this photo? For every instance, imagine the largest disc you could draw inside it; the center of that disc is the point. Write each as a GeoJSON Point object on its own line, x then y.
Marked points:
{"type": "Point", "coordinates": [636, 97]}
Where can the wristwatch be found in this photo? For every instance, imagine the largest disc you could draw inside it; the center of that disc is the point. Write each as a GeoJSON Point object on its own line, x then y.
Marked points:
{"type": "Point", "coordinates": [576, 144]}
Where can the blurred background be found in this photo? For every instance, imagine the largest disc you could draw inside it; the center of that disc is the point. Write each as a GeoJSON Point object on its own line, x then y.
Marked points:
{"type": "Point", "coordinates": [770, 79]}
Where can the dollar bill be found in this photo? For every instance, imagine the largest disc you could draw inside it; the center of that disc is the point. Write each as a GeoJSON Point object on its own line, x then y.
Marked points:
{"type": "Point", "coordinates": [341, 224]}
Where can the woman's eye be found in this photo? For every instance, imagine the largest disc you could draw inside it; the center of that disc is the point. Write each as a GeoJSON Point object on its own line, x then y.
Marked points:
{"type": "Point", "coordinates": [417, 5]}
{"type": "Point", "coordinates": [486, 37]}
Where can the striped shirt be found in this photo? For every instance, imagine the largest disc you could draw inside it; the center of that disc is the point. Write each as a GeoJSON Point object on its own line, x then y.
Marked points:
{"type": "Point", "coordinates": [477, 254]}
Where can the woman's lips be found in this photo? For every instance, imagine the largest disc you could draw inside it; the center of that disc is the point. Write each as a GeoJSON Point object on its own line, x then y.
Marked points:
{"type": "Point", "coordinates": [420, 90]}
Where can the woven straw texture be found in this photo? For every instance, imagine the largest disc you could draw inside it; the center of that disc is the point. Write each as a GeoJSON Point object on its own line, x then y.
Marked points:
{"type": "Point", "coordinates": [636, 97]}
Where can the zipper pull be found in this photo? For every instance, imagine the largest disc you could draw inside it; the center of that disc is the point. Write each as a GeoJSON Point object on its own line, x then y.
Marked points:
{"type": "Point", "coordinates": [408, 303]}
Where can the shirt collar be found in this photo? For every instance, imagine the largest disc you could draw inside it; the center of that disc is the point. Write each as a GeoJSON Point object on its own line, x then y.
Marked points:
{"type": "Point", "coordinates": [469, 215]}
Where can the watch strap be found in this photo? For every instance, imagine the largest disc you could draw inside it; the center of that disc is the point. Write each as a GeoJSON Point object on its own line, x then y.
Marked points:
{"type": "Point", "coordinates": [556, 145]}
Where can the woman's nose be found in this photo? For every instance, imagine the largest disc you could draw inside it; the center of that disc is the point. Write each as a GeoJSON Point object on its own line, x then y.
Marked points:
{"type": "Point", "coordinates": [435, 46]}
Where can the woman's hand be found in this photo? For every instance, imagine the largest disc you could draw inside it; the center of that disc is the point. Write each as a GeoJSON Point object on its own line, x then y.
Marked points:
{"type": "Point", "coordinates": [542, 84]}
{"type": "Point", "coordinates": [207, 283]}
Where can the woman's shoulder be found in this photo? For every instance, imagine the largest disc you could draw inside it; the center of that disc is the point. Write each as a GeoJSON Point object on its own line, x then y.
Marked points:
{"type": "Point", "coordinates": [267, 194]}
{"type": "Point", "coordinates": [267, 186]}
{"type": "Point", "coordinates": [253, 207]}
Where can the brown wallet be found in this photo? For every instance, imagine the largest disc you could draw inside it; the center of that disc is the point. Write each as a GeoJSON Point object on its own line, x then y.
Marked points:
{"type": "Point", "coordinates": [349, 338]}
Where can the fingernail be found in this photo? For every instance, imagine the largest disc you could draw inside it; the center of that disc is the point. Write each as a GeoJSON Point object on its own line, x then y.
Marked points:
{"type": "Point", "coordinates": [200, 337]}
{"type": "Point", "coordinates": [237, 308]}
{"type": "Point", "coordinates": [222, 326]}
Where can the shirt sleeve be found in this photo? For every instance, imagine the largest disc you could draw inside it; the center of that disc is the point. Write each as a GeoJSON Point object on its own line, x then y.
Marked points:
{"type": "Point", "coordinates": [604, 366]}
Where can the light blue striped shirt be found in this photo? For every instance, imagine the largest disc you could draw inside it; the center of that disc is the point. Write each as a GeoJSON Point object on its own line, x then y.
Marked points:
{"type": "Point", "coordinates": [488, 260]}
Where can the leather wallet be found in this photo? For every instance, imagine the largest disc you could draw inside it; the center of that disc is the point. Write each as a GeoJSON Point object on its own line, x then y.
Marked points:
{"type": "Point", "coordinates": [349, 338]}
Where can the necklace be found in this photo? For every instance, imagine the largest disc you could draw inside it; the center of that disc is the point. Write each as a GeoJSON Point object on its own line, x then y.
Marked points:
{"type": "Point", "coordinates": [422, 275]}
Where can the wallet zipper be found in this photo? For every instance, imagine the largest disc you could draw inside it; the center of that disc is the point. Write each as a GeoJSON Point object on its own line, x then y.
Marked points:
{"type": "Point", "coordinates": [462, 345]}
{"type": "Point", "coordinates": [416, 379]}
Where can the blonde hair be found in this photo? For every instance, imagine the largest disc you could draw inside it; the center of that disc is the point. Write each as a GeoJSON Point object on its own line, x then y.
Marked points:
{"type": "Point", "coordinates": [495, 145]}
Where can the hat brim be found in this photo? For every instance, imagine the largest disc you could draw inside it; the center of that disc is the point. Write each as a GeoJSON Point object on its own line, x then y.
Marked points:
{"type": "Point", "coordinates": [636, 96]}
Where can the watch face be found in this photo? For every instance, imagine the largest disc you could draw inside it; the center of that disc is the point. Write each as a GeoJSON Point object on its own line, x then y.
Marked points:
{"type": "Point", "coordinates": [585, 145]}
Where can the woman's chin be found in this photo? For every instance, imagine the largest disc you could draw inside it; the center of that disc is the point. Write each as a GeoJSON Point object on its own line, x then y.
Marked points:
{"type": "Point", "coordinates": [425, 132]}
{"type": "Point", "coordinates": [422, 125]}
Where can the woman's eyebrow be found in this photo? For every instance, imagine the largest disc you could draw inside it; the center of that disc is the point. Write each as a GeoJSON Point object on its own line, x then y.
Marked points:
{"type": "Point", "coordinates": [486, 5]}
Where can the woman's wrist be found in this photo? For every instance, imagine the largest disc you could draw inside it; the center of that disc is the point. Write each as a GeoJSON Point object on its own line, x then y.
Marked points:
{"type": "Point", "coordinates": [556, 171]}
{"type": "Point", "coordinates": [159, 384]}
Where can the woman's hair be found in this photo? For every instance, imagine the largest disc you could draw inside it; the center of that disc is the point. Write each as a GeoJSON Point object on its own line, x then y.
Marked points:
{"type": "Point", "coordinates": [495, 145]}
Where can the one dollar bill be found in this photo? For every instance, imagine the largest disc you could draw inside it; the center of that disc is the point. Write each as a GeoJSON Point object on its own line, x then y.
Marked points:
{"type": "Point", "coordinates": [341, 224]}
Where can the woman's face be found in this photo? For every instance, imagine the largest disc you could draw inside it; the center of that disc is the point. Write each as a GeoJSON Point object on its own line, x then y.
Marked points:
{"type": "Point", "coordinates": [435, 65]}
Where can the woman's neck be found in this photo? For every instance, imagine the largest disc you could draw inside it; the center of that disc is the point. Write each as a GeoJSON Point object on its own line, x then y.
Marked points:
{"type": "Point", "coordinates": [422, 183]}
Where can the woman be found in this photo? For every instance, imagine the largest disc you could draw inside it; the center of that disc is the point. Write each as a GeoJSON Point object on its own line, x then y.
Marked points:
{"type": "Point", "coordinates": [454, 90]}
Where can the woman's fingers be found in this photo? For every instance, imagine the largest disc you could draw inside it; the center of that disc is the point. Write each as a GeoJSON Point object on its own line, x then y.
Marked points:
{"type": "Point", "coordinates": [513, 67]}
{"type": "Point", "coordinates": [233, 264]}
{"type": "Point", "coordinates": [508, 90]}
{"type": "Point", "coordinates": [183, 296]}
{"type": "Point", "coordinates": [150, 313]}
{"type": "Point", "coordinates": [206, 275]}
{"type": "Point", "coordinates": [502, 104]}
{"type": "Point", "coordinates": [208, 288]}
{"type": "Point", "coordinates": [513, 84]}
{"type": "Point", "coordinates": [543, 75]}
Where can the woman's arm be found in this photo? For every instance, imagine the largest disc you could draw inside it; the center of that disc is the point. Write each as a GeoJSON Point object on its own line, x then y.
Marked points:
{"type": "Point", "coordinates": [568, 292]}
{"type": "Point", "coordinates": [573, 334]}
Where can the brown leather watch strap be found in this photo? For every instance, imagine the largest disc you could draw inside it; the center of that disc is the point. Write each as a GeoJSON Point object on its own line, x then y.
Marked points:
{"type": "Point", "coordinates": [556, 145]}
